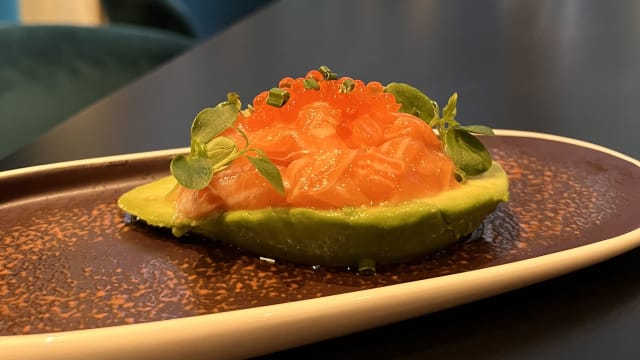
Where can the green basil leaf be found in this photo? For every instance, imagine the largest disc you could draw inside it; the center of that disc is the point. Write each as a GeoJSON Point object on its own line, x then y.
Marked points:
{"type": "Point", "coordinates": [221, 150]}
{"type": "Point", "coordinates": [450, 111]}
{"type": "Point", "coordinates": [211, 122]}
{"type": "Point", "coordinates": [267, 169]}
{"type": "Point", "coordinates": [413, 101]}
{"type": "Point", "coordinates": [477, 129]}
{"type": "Point", "coordinates": [467, 152]}
{"type": "Point", "coordinates": [192, 173]}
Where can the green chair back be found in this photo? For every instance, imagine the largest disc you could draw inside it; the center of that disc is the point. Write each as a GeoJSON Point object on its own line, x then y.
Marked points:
{"type": "Point", "coordinates": [49, 73]}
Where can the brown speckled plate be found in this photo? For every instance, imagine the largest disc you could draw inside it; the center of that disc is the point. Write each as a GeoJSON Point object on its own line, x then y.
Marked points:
{"type": "Point", "coordinates": [77, 280]}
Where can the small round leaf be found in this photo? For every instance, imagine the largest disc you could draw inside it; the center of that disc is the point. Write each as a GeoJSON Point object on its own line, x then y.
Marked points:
{"type": "Point", "coordinates": [413, 101]}
{"type": "Point", "coordinates": [192, 173]}
{"type": "Point", "coordinates": [467, 152]}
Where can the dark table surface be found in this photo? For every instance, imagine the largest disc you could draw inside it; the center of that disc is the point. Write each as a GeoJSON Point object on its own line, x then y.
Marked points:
{"type": "Point", "coordinates": [570, 68]}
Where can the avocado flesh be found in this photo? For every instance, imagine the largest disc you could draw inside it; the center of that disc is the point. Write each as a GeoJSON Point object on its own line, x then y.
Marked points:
{"type": "Point", "coordinates": [382, 234]}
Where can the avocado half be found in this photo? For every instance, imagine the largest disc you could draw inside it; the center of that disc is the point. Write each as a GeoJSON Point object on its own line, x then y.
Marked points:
{"type": "Point", "coordinates": [345, 237]}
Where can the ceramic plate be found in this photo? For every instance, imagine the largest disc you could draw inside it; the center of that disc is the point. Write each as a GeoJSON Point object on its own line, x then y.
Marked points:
{"type": "Point", "coordinates": [78, 281]}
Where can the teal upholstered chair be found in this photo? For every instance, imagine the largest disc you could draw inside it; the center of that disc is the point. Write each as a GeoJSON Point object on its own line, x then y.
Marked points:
{"type": "Point", "coordinates": [49, 73]}
{"type": "Point", "coordinates": [196, 18]}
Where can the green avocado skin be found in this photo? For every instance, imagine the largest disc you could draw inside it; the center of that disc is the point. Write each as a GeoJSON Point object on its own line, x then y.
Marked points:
{"type": "Point", "coordinates": [344, 237]}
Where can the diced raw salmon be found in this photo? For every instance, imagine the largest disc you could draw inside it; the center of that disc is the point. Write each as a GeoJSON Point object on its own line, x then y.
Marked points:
{"type": "Point", "coordinates": [196, 204]}
{"type": "Point", "coordinates": [318, 181]}
{"type": "Point", "coordinates": [334, 148]}
{"type": "Point", "coordinates": [318, 119]}
{"type": "Point", "coordinates": [240, 186]}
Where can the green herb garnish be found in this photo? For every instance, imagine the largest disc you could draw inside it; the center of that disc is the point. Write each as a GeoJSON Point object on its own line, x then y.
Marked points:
{"type": "Point", "coordinates": [211, 152]}
{"type": "Point", "coordinates": [327, 73]}
{"type": "Point", "coordinates": [268, 170]}
{"type": "Point", "coordinates": [366, 266]}
{"type": "Point", "coordinates": [311, 83]}
{"type": "Point", "coordinates": [413, 101]}
{"type": "Point", "coordinates": [277, 97]}
{"type": "Point", "coordinates": [347, 86]}
{"type": "Point", "coordinates": [469, 155]}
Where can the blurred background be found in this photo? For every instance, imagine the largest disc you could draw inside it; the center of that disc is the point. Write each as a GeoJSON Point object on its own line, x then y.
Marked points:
{"type": "Point", "coordinates": [60, 56]}
{"type": "Point", "coordinates": [564, 67]}
{"type": "Point", "coordinates": [80, 12]}
{"type": "Point", "coordinates": [194, 18]}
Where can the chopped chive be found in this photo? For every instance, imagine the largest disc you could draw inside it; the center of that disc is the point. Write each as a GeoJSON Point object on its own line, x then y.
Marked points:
{"type": "Point", "coordinates": [311, 83]}
{"type": "Point", "coordinates": [327, 73]}
{"type": "Point", "coordinates": [324, 70]}
{"type": "Point", "coordinates": [366, 267]}
{"type": "Point", "coordinates": [347, 86]}
{"type": "Point", "coordinates": [277, 97]}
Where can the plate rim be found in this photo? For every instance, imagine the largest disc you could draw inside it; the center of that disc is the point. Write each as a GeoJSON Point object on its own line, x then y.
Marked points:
{"type": "Point", "coordinates": [270, 327]}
